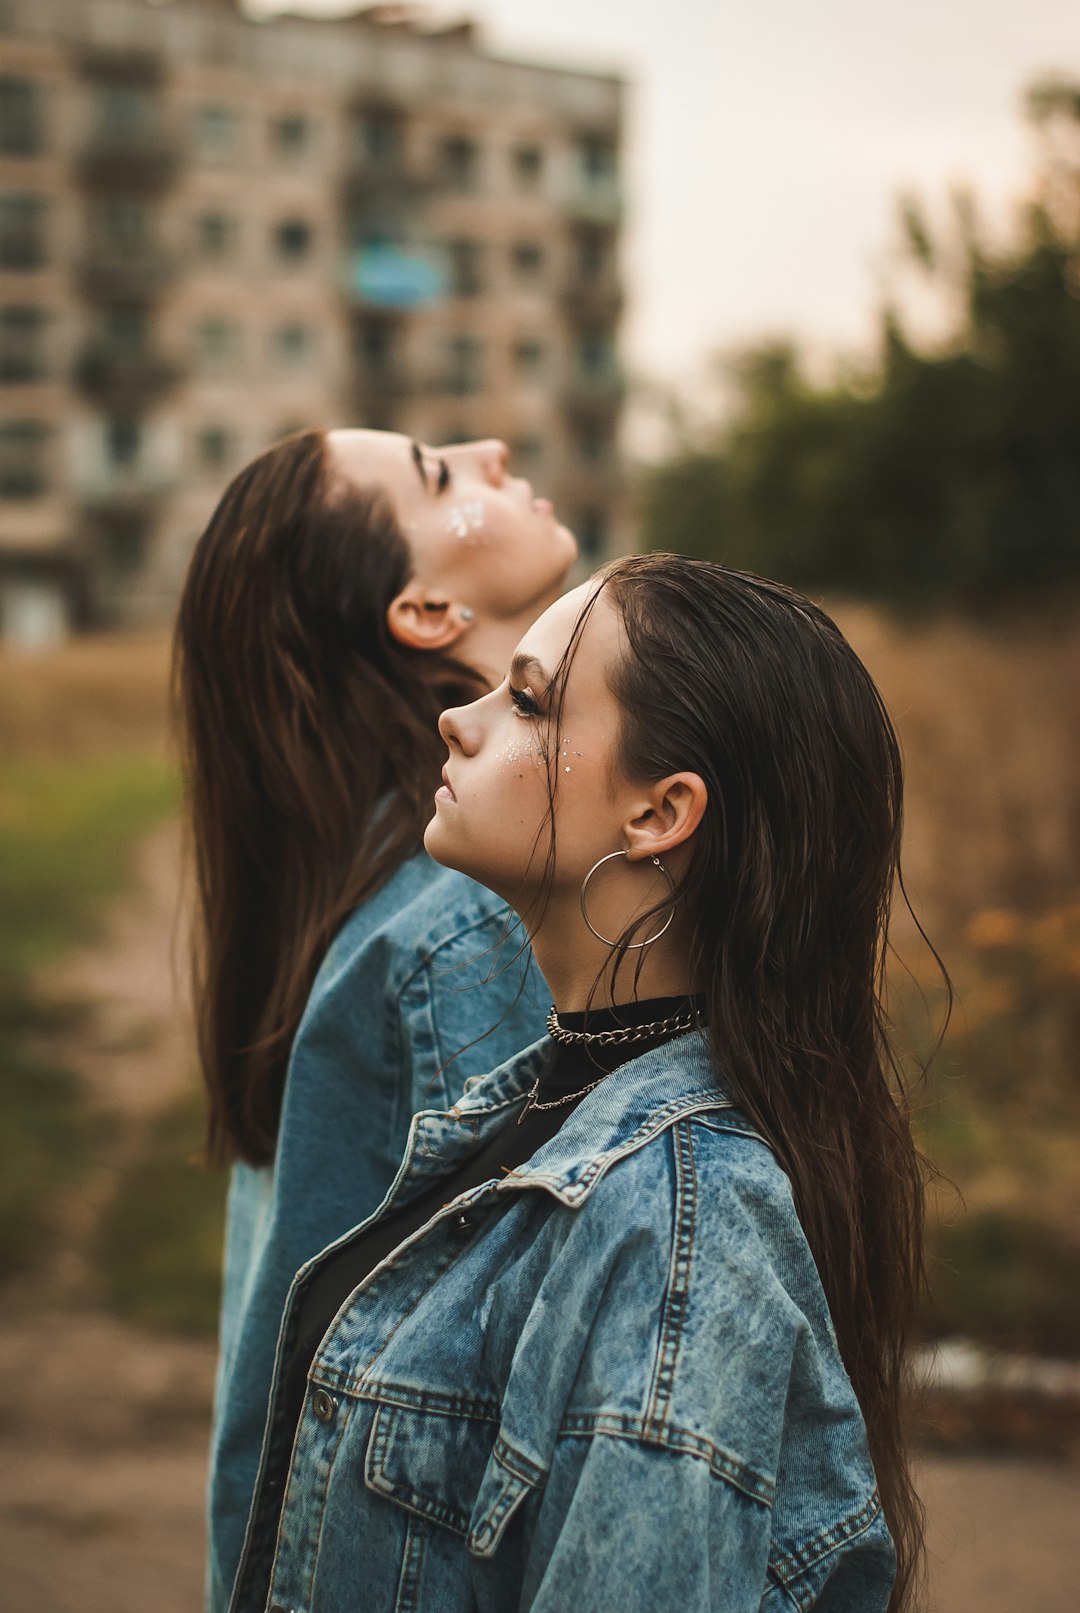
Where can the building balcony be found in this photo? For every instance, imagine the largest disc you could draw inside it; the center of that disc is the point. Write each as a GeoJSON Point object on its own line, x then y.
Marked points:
{"type": "Point", "coordinates": [147, 160]}
{"type": "Point", "coordinates": [593, 397]}
{"type": "Point", "coordinates": [367, 184]}
{"type": "Point", "coordinates": [108, 277]}
{"type": "Point", "coordinates": [128, 495]}
{"type": "Point", "coordinates": [593, 302]}
{"type": "Point", "coordinates": [595, 202]}
{"type": "Point", "coordinates": [110, 64]}
{"type": "Point", "coordinates": [124, 380]}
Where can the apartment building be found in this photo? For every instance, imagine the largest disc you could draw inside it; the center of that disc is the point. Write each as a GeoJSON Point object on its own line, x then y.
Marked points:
{"type": "Point", "coordinates": [214, 231]}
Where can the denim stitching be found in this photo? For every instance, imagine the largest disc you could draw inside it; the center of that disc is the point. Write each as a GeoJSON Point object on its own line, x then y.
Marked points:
{"type": "Point", "coordinates": [677, 1296]}
{"type": "Point", "coordinates": [413, 1500]}
{"type": "Point", "coordinates": [791, 1566]}
{"type": "Point", "coordinates": [408, 1591]}
{"type": "Point", "coordinates": [669, 1437]}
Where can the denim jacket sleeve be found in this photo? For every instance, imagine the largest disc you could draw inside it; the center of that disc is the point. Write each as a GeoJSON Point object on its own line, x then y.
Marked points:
{"type": "Point", "coordinates": [620, 1519]}
{"type": "Point", "coordinates": [709, 1442]}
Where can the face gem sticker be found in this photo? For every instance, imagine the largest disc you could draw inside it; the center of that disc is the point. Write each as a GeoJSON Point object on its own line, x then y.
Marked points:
{"type": "Point", "coordinates": [465, 520]}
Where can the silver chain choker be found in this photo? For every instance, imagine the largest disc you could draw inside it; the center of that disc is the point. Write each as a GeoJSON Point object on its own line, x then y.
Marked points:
{"type": "Point", "coordinates": [682, 1021]}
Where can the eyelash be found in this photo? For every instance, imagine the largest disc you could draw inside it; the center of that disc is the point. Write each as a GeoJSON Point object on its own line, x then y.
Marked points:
{"type": "Point", "coordinates": [444, 477]}
{"type": "Point", "coordinates": [524, 704]}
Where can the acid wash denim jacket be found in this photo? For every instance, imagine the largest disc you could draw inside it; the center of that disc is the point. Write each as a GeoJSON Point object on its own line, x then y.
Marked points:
{"type": "Point", "coordinates": [401, 990]}
{"type": "Point", "coordinates": [607, 1382]}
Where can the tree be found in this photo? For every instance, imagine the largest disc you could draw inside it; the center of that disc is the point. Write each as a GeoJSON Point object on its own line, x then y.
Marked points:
{"type": "Point", "coordinates": [955, 474]}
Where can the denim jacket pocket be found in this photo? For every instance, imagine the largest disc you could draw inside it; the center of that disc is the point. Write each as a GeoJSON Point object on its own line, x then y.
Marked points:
{"type": "Point", "coordinates": [454, 1469]}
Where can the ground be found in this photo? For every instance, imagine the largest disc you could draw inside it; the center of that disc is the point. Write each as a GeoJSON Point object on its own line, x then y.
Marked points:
{"type": "Point", "coordinates": [103, 1425]}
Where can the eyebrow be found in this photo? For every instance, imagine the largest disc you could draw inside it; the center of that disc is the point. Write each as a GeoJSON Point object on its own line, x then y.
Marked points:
{"type": "Point", "coordinates": [526, 666]}
{"type": "Point", "coordinates": [418, 461]}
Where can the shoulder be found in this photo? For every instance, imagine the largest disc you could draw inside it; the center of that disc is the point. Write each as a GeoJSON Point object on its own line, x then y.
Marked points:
{"type": "Point", "coordinates": [421, 909]}
{"type": "Point", "coordinates": [697, 1229]}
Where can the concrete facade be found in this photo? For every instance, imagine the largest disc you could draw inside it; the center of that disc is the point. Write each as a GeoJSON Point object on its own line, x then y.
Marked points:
{"type": "Point", "coordinates": [214, 231]}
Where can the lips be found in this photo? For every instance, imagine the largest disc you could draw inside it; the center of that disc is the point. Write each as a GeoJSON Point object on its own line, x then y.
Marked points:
{"type": "Point", "coordinates": [543, 506]}
{"type": "Point", "coordinates": [447, 786]}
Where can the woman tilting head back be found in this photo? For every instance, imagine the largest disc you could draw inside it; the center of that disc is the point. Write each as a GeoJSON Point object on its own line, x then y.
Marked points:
{"type": "Point", "coordinates": [348, 585]}
{"type": "Point", "coordinates": [676, 709]}
{"type": "Point", "coordinates": [628, 1330]}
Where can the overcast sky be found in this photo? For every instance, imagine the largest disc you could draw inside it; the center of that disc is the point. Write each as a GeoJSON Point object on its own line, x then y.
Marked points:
{"type": "Point", "coordinates": [768, 139]}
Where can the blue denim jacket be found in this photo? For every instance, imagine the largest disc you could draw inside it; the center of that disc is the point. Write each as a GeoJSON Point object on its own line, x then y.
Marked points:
{"type": "Point", "coordinates": [400, 991]}
{"type": "Point", "coordinates": [608, 1381]}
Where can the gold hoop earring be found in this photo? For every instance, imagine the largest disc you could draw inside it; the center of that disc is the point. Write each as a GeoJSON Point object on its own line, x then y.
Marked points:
{"type": "Point", "coordinates": [631, 946]}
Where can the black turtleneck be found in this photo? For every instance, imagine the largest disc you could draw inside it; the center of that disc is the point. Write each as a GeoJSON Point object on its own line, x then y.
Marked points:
{"type": "Point", "coordinates": [569, 1074]}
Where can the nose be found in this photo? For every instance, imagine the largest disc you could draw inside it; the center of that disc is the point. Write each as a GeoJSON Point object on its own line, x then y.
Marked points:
{"type": "Point", "coordinates": [489, 458]}
{"type": "Point", "coordinates": [460, 727]}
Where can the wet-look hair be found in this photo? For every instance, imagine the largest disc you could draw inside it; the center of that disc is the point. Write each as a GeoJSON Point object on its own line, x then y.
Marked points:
{"type": "Point", "coordinates": [785, 901]}
{"type": "Point", "coordinates": [311, 756]}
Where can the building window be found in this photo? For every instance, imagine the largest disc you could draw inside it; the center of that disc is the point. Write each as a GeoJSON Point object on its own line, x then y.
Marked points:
{"type": "Point", "coordinates": [596, 356]}
{"type": "Point", "coordinates": [377, 138]}
{"type": "Point", "coordinates": [459, 163]}
{"type": "Point", "coordinates": [592, 445]}
{"type": "Point", "coordinates": [529, 357]}
{"type": "Point", "coordinates": [123, 112]}
{"type": "Point", "coordinates": [527, 456]}
{"type": "Point", "coordinates": [22, 232]}
{"type": "Point", "coordinates": [20, 117]}
{"type": "Point", "coordinates": [214, 447]}
{"type": "Point", "coordinates": [464, 262]}
{"type": "Point", "coordinates": [596, 153]}
{"type": "Point", "coordinates": [292, 240]}
{"type": "Point", "coordinates": [22, 343]}
{"type": "Point", "coordinates": [124, 331]}
{"type": "Point", "coordinates": [216, 132]}
{"type": "Point", "coordinates": [591, 533]}
{"type": "Point", "coordinates": [294, 345]}
{"type": "Point", "coordinates": [465, 373]}
{"type": "Point", "coordinates": [216, 234]}
{"type": "Point", "coordinates": [292, 135]}
{"type": "Point", "coordinates": [23, 445]}
{"type": "Point", "coordinates": [123, 440]}
{"type": "Point", "coordinates": [120, 224]}
{"type": "Point", "coordinates": [527, 258]}
{"type": "Point", "coordinates": [592, 258]}
{"type": "Point", "coordinates": [218, 342]}
{"type": "Point", "coordinates": [528, 164]}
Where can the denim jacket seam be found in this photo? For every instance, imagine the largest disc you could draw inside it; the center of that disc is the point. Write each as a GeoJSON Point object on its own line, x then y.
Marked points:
{"type": "Point", "coordinates": [677, 1291]}
{"type": "Point", "coordinates": [722, 1464]}
{"type": "Point", "coordinates": [425, 1401]}
{"type": "Point", "coordinates": [427, 957]}
{"type": "Point", "coordinates": [793, 1565]}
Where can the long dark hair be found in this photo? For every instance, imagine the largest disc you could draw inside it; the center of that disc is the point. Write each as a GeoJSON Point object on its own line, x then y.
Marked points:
{"type": "Point", "coordinates": [311, 755]}
{"type": "Point", "coordinates": [787, 896]}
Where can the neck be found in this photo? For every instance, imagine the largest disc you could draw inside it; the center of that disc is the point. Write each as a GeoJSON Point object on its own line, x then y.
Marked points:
{"type": "Point", "coordinates": [488, 646]}
{"type": "Point", "coordinates": [575, 964]}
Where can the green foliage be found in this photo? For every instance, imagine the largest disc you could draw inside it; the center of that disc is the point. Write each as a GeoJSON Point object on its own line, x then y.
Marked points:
{"type": "Point", "coordinates": [66, 831]}
{"type": "Point", "coordinates": [952, 475]}
{"type": "Point", "coordinates": [159, 1247]}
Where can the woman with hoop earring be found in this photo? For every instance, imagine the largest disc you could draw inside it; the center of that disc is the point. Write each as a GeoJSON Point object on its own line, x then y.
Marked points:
{"type": "Point", "coordinates": [628, 1333]}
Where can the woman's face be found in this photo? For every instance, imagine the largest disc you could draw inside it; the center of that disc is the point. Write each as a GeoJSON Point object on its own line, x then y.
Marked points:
{"type": "Point", "coordinates": [492, 815]}
{"type": "Point", "coordinates": [476, 532]}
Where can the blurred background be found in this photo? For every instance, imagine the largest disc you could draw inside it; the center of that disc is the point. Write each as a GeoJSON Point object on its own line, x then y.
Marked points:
{"type": "Point", "coordinates": [797, 288]}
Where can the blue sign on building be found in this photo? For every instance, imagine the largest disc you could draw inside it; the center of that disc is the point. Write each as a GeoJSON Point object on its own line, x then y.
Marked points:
{"type": "Point", "coordinates": [389, 276]}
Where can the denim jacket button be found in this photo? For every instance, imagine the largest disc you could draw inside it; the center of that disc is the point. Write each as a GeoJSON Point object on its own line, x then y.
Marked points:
{"type": "Point", "coordinates": [323, 1405]}
{"type": "Point", "coordinates": [276, 1607]}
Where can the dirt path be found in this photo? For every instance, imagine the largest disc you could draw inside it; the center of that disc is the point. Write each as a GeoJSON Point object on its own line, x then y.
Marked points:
{"type": "Point", "coordinates": [103, 1425]}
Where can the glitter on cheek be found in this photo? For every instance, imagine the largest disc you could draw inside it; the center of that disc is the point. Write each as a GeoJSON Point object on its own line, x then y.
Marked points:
{"type": "Point", "coordinates": [465, 521]}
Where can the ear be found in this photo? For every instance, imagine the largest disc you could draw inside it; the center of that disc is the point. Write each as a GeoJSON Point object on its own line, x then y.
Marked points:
{"type": "Point", "coordinates": [425, 621]}
{"type": "Point", "coordinates": [665, 816]}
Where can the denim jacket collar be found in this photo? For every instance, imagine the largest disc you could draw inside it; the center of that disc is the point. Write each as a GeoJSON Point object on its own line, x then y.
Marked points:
{"type": "Point", "coordinates": [635, 1102]}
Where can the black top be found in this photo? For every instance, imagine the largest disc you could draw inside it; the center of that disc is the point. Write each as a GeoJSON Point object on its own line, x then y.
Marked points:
{"type": "Point", "coordinates": [569, 1075]}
